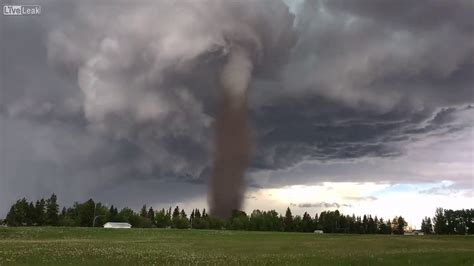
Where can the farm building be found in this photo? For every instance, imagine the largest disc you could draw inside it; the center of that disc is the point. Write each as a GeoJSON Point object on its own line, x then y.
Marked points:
{"type": "Point", "coordinates": [413, 233]}
{"type": "Point", "coordinates": [117, 225]}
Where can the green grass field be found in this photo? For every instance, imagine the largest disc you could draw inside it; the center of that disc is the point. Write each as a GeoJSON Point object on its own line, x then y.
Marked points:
{"type": "Point", "coordinates": [86, 246]}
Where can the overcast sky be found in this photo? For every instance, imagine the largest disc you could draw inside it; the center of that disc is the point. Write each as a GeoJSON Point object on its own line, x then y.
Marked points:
{"type": "Point", "coordinates": [365, 106]}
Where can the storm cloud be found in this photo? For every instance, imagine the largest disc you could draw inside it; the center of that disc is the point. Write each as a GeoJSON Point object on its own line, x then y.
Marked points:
{"type": "Point", "coordinates": [90, 105]}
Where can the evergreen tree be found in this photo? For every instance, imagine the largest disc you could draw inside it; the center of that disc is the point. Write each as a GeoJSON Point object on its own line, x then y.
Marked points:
{"type": "Point", "coordinates": [365, 224]}
{"type": "Point", "coordinates": [40, 213]}
{"type": "Point", "coordinates": [297, 222]}
{"type": "Point", "coordinates": [425, 228]}
{"type": "Point", "coordinates": [389, 227]}
{"type": "Point", "coordinates": [469, 220]}
{"type": "Point", "coordinates": [191, 219]}
{"type": "Point", "coordinates": [440, 223]}
{"type": "Point", "coordinates": [377, 224]}
{"type": "Point", "coordinates": [197, 214]}
{"type": "Point", "coordinates": [351, 224]}
{"type": "Point", "coordinates": [200, 221]}
{"type": "Point", "coordinates": [31, 214]}
{"type": "Point", "coordinates": [19, 214]}
{"type": "Point", "coordinates": [168, 217]}
{"type": "Point", "coordinates": [175, 220]}
{"type": "Point", "coordinates": [399, 225]}
{"type": "Point", "coordinates": [382, 227]}
{"type": "Point", "coordinates": [371, 226]}
{"type": "Point", "coordinates": [428, 225]}
{"type": "Point", "coordinates": [176, 212]}
{"type": "Point", "coordinates": [179, 219]}
{"type": "Point", "coordinates": [65, 218]}
{"type": "Point", "coordinates": [85, 213]}
{"type": "Point", "coordinates": [451, 221]}
{"type": "Point", "coordinates": [343, 224]}
{"type": "Point", "coordinates": [143, 211]}
{"type": "Point", "coordinates": [288, 224]}
{"type": "Point", "coordinates": [307, 223]}
{"type": "Point", "coordinates": [151, 214]}
{"type": "Point", "coordinates": [11, 219]}
{"type": "Point", "coordinates": [52, 211]}
{"type": "Point", "coordinates": [113, 214]}
{"type": "Point", "coordinates": [316, 222]}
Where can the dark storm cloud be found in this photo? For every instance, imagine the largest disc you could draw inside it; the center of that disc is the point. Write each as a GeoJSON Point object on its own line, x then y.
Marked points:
{"type": "Point", "coordinates": [351, 80]}
{"type": "Point", "coordinates": [365, 78]}
{"type": "Point", "coordinates": [350, 54]}
{"type": "Point", "coordinates": [345, 134]}
{"type": "Point", "coordinates": [414, 15]}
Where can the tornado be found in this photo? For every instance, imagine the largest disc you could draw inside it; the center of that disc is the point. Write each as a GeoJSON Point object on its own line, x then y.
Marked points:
{"type": "Point", "coordinates": [150, 86]}
{"type": "Point", "coordinates": [233, 136]}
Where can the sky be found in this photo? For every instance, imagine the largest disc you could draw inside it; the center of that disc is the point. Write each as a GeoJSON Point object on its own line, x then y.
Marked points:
{"type": "Point", "coordinates": [361, 106]}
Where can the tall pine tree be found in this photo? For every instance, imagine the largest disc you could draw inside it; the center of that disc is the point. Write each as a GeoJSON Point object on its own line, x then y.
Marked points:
{"type": "Point", "coordinates": [288, 224]}
{"type": "Point", "coordinates": [52, 211]}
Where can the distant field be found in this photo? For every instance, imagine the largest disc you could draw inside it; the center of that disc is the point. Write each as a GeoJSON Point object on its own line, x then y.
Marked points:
{"type": "Point", "coordinates": [86, 246]}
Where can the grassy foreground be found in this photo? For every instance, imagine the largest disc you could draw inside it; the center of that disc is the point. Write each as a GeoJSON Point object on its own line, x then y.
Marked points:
{"type": "Point", "coordinates": [86, 246]}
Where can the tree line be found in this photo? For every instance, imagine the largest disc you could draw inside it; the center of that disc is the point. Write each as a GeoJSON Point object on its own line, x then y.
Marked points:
{"type": "Point", "coordinates": [90, 213]}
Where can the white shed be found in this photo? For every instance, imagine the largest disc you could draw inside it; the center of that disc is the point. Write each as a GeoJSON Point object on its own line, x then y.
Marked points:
{"type": "Point", "coordinates": [117, 225]}
{"type": "Point", "coordinates": [414, 233]}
